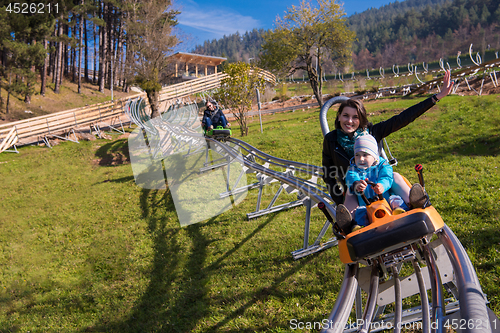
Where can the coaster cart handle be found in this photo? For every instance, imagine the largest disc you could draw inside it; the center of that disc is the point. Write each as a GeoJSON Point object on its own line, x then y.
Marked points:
{"type": "Point", "coordinates": [369, 201]}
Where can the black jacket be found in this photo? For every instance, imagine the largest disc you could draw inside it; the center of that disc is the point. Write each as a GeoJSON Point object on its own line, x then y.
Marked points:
{"type": "Point", "coordinates": [336, 160]}
{"type": "Point", "coordinates": [215, 116]}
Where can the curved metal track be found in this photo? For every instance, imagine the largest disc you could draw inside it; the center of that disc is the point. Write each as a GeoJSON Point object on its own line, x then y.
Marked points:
{"type": "Point", "coordinates": [437, 262]}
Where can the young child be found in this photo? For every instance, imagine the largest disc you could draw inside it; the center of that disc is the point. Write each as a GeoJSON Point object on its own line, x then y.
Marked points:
{"type": "Point", "coordinates": [368, 165]}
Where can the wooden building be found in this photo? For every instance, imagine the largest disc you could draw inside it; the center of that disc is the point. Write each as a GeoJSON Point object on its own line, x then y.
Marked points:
{"type": "Point", "coordinates": [191, 66]}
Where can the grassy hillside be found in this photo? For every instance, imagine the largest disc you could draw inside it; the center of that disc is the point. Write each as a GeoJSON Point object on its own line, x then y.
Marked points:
{"type": "Point", "coordinates": [83, 249]}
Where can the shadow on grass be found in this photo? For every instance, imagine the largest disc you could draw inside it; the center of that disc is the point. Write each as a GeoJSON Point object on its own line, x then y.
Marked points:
{"type": "Point", "coordinates": [481, 245]}
{"type": "Point", "coordinates": [150, 314]}
{"type": "Point", "coordinates": [481, 240]}
{"type": "Point", "coordinates": [486, 145]}
{"type": "Point", "coordinates": [120, 180]}
{"type": "Point", "coordinates": [113, 153]}
{"type": "Point", "coordinates": [260, 295]}
{"type": "Point", "coordinates": [170, 306]}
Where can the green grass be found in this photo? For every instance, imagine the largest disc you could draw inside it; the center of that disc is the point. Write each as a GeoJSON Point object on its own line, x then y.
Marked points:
{"type": "Point", "coordinates": [83, 249]}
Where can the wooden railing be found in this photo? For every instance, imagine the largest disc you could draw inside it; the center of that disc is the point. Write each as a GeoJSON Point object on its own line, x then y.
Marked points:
{"type": "Point", "coordinates": [10, 139]}
{"type": "Point", "coordinates": [203, 84]}
{"type": "Point", "coordinates": [32, 130]}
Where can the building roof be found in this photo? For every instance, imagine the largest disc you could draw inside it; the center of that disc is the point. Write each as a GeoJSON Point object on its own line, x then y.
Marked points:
{"type": "Point", "coordinates": [199, 59]}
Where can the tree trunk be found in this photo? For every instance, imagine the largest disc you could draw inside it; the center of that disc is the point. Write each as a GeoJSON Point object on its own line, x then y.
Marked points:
{"type": "Point", "coordinates": [58, 68]}
{"type": "Point", "coordinates": [118, 63]}
{"type": "Point", "coordinates": [111, 22]}
{"type": "Point", "coordinates": [100, 78]}
{"type": "Point", "coordinates": [124, 69]}
{"type": "Point", "coordinates": [64, 64]}
{"type": "Point", "coordinates": [52, 59]}
{"type": "Point", "coordinates": [102, 52]}
{"type": "Point", "coordinates": [86, 63]}
{"type": "Point", "coordinates": [95, 54]}
{"type": "Point", "coordinates": [8, 95]}
{"type": "Point", "coordinates": [313, 80]}
{"type": "Point", "coordinates": [53, 56]}
{"type": "Point", "coordinates": [320, 81]}
{"type": "Point", "coordinates": [239, 113]}
{"type": "Point", "coordinates": [43, 73]}
{"type": "Point", "coordinates": [27, 97]}
{"type": "Point", "coordinates": [154, 101]}
{"type": "Point", "coordinates": [7, 105]}
{"type": "Point", "coordinates": [4, 64]}
{"type": "Point", "coordinates": [80, 55]}
{"type": "Point", "coordinates": [73, 62]}
{"type": "Point", "coordinates": [71, 54]}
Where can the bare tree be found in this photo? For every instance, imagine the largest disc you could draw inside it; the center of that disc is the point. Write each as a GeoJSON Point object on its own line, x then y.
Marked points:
{"type": "Point", "coordinates": [151, 41]}
{"type": "Point", "coordinates": [304, 36]}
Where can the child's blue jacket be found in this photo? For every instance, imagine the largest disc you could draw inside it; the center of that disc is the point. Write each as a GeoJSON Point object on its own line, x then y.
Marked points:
{"type": "Point", "coordinates": [380, 173]}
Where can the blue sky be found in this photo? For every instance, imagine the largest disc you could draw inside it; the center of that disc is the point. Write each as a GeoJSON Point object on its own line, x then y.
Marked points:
{"type": "Point", "coordinates": [212, 19]}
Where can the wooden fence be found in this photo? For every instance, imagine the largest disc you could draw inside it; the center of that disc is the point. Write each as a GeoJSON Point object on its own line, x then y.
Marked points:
{"type": "Point", "coordinates": [39, 128]}
{"type": "Point", "coordinates": [203, 84]}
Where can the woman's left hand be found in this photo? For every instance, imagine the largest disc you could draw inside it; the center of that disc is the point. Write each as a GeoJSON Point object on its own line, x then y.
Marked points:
{"type": "Point", "coordinates": [447, 85]}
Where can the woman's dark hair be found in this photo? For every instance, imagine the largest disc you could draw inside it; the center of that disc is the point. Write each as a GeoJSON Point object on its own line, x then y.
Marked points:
{"type": "Point", "coordinates": [363, 120]}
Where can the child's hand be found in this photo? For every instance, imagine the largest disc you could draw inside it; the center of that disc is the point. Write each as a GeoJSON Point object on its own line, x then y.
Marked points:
{"type": "Point", "coordinates": [360, 186]}
{"type": "Point", "coordinates": [378, 189]}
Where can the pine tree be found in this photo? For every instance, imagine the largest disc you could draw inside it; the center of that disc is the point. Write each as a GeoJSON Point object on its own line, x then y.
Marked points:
{"type": "Point", "coordinates": [23, 49]}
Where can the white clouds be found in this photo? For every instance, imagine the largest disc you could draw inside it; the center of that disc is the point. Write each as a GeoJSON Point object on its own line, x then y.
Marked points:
{"type": "Point", "coordinates": [216, 21]}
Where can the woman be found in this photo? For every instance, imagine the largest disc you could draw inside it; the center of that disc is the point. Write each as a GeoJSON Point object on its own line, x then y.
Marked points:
{"type": "Point", "coordinates": [351, 122]}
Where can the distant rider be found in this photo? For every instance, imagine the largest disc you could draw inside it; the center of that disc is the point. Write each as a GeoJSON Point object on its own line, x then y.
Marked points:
{"type": "Point", "coordinates": [213, 117]}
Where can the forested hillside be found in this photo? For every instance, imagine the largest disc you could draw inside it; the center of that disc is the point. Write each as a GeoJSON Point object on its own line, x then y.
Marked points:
{"type": "Point", "coordinates": [375, 26]}
{"type": "Point", "coordinates": [234, 47]}
{"type": "Point", "coordinates": [397, 33]}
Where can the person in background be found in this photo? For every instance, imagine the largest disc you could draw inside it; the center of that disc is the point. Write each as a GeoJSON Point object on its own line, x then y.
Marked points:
{"type": "Point", "coordinates": [213, 117]}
